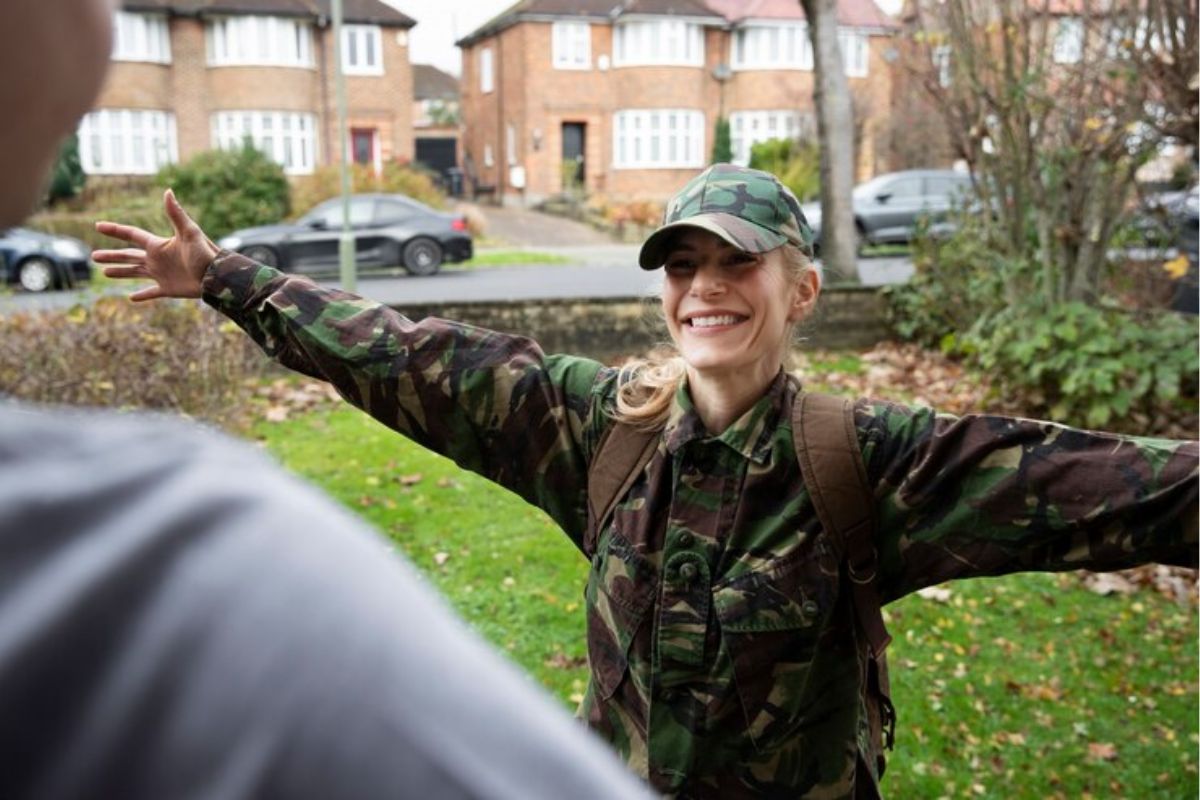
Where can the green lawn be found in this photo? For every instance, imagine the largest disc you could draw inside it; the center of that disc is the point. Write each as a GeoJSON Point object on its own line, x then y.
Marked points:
{"type": "Point", "coordinates": [1025, 686]}
{"type": "Point", "coordinates": [505, 258]}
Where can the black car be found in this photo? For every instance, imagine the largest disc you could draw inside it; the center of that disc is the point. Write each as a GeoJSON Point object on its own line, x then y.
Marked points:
{"type": "Point", "coordinates": [37, 261]}
{"type": "Point", "coordinates": [888, 208]}
{"type": "Point", "coordinates": [389, 230]}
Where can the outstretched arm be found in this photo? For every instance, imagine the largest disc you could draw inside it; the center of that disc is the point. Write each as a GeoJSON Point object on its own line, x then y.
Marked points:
{"type": "Point", "coordinates": [176, 265]}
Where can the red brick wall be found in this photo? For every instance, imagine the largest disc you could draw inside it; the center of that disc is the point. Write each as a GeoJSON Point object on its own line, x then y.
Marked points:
{"type": "Point", "coordinates": [193, 91]}
{"type": "Point", "coordinates": [538, 99]}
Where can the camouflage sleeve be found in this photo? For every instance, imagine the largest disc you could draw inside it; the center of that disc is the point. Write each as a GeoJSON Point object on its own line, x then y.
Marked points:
{"type": "Point", "coordinates": [493, 403]}
{"type": "Point", "coordinates": [988, 495]}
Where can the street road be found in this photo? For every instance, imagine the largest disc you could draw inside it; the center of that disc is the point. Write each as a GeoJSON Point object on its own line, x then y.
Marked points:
{"type": "Point", "coordinates": [600, 271]}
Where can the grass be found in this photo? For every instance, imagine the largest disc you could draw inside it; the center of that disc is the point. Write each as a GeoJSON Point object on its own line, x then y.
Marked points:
{"type": "Point", "coordinates": [1023, 686]}
{"type": "Point", "coordinates": [505, 258]}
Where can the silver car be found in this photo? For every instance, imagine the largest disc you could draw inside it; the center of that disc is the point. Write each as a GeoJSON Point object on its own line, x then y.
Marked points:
{"type": "Point", "coordinates": [888, 208]}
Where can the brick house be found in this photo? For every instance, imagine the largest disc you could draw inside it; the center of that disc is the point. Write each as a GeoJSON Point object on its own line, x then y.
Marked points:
{"type": "Point", "coordinates": [622, 98]}
{"type": "Point", "coordinates": [191, 75]}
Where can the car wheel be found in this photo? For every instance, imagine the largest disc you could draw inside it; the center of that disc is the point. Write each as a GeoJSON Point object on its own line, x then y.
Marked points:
{"type": "Point", "coordinates": [36, 275]}
{"type": "Point", "coordinates": [262, 254]}
{"type": "Point", "coordinates": [422, 256]}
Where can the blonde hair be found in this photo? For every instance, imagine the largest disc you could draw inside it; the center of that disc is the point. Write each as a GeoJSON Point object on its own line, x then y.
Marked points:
{"type": "Point", "coordinates": [646, 386]}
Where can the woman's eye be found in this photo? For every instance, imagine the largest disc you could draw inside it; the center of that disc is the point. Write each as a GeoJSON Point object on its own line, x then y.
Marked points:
{"type": "Point", "coordinates": [679, 265]}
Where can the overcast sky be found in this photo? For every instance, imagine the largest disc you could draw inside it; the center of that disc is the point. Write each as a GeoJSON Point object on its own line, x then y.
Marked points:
{"type": "Point", "coordinates": [442, 22]}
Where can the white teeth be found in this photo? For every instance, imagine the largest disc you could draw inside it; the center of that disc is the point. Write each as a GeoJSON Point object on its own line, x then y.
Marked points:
{"type": "Point", "coordinates": [709, 322]}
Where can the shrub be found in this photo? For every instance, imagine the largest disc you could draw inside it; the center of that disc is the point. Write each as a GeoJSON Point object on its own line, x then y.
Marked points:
{"type": "Point", "coordinates": [722, 152]}
{"type": "Point", "coordinates": [796, 164]}
{"type": "Point", "coordinates": [396, 178]}
{"type": "Point", "coordinates": [225, 190]}
{"type": "Point", "coordinates": [1103, 365]}
{"type": "Point", "coordinates": [1088, 366]}
{"type": "Point", "coordinates": [176, 356]}
{"type": "Point", "coordinates": [67, 179]}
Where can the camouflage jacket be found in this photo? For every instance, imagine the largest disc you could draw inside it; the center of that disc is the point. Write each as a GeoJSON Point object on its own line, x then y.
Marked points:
{"type": "Point", "coordinates": [719, 628]}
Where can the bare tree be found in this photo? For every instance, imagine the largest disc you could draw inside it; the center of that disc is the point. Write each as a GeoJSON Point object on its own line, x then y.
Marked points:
{"type": "Point", "coordinates": [1055, 113]}
{"type": "Point", "coordinates": [835, 132]}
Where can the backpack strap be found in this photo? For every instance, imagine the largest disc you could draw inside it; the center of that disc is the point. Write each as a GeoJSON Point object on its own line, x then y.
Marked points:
{"type": "Point", "coordinates": [832, 467]}
{"type": "Point", "coordinates": [620, 456]}
{"type": "Point", "coordinates": [833, 471]}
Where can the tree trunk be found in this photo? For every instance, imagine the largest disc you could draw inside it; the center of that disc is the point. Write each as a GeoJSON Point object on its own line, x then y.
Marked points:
{"type": "Point", "coordinates": [835, 133]}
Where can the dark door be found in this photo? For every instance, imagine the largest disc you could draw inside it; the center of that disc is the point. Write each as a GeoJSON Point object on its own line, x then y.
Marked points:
{"type": "Point", "coordinates": [573, 142]}
{"type": "Point", "coordinates": [438, 153]}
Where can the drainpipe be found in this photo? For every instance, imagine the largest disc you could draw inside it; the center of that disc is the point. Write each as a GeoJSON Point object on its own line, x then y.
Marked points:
{"type": "Point", "coordinates": [501, 154]}
{"type": "Point", "coordinates": [323, 77]}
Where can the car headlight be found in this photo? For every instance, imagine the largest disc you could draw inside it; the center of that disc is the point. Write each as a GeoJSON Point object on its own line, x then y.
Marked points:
{"type": "Point", "coordinates": [67, 249]}
{"type": "Point", "coordinates": [229, 242]}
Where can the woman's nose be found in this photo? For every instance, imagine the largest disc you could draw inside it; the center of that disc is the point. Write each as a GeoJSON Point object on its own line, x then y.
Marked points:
{"type": "Point", "coordinates": [707, 280]}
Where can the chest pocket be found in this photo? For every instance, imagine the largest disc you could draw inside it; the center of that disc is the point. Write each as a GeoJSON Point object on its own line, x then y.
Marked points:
{"type": "Point", "coordinates": [771, 618]}
{"type": "Point", "coordinates": [620, 590]}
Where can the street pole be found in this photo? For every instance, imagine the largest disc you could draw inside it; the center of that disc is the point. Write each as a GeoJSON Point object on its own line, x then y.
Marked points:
{"type": "Point", "coordinates": [346, 266]}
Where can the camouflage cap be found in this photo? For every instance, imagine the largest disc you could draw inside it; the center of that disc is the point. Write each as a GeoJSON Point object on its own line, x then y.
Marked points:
{"type": "Point", "coordinates": [746, 207]}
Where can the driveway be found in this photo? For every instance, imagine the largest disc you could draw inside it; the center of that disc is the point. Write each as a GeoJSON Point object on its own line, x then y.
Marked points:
{"type": "Point", "coordinates": [513, 227]}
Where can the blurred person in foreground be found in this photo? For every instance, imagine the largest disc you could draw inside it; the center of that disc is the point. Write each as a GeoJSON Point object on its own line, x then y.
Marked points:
{"type": "Point", "coordinates": [180, 619]}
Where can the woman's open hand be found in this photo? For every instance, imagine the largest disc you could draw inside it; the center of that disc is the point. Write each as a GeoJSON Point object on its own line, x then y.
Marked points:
{"type": "Point", "coordinates": [176, 265]}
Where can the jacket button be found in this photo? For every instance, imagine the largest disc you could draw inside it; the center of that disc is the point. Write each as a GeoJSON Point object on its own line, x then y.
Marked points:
{"type": "Point", "coordinates": [685, 539]}
{"type": "Point", "coordinates": [810, 608]}
{"type": "Point", "coordinates": [687, 573]}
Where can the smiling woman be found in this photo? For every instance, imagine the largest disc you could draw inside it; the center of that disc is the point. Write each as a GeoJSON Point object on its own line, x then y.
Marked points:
{"type": "Point", "coordinates": [734, 634]}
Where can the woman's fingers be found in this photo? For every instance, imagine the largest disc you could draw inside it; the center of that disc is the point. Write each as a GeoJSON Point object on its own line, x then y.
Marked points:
{"type": "Point", "coordinates": [127, 233]}
{"type": "Point", "coordinates": [126, 271]}
{"type": "Point", "coordinates": [149, 293]}
{"type": "Point", "coordinates": [127, 256]}
{"type": "Point", "coordinates": [180, 220]}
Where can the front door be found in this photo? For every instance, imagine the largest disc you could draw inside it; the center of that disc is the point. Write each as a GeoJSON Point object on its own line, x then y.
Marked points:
{"type": "Point", "coordinates": [362, 146]}
{"type": "Point", "coordinates": [573, 169]}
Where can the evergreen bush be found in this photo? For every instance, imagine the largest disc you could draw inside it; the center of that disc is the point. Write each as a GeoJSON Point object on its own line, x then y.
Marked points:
{"type": "Point", "coordinates": [225, 190]}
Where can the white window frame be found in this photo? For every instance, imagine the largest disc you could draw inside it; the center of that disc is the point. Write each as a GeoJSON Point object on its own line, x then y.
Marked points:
{"type": "Point", "coordinates": [487, 77]}
{"type": "Point", "coordinates": [259, 41]}
{"type": "Point", "coordinates": [359, 40]}
{"type": "Point", "coordinates": [127, 141]}
{"type": "Point", "coordinates": [658, 42]}
{"type": "Point", "coordinates": [771, 45]}
{"type": "Point", "coordinates": [510, 144]}
{"type": "Point", "coordinates": [288, 137]}
{"type": "Point", "coordinates": [488, 159]}
{"type": "Point", "coordinates": [1068, 40]}
{"type": "Point", "coordinates": [856, 52]}
{"type": "Point", "coordinates": [659, 138]}
{"type": "Point", "coordinates": [571, 45]}
{"type": "Point", "coordinates": [141, 37]}
{"type": "Point", "coordinates": [748, 128]}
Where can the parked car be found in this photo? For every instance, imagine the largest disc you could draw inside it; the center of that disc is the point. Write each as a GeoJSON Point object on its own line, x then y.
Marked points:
{"type": "Point", "coordinates": [888, 208]}
{"type": "Point", "coordinates": [389, 230]}
{"type": "Point", "coordinates": [38, 262]}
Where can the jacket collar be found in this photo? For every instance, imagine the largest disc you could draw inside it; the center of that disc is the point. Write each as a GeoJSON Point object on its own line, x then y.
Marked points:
{"type": "Point", "coordinates": [749, 435]}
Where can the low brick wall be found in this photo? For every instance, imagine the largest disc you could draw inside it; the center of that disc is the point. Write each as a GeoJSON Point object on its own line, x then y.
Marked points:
{"type": "Point", "coordinates": [602, 328]}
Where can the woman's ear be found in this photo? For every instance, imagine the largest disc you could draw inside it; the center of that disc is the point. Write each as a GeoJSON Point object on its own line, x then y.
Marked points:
{"type": "Point", "coordinates": [804, 295]}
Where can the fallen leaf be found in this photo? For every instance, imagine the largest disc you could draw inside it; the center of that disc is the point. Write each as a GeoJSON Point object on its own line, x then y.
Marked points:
{"type": "Point", "coordinates": [276, 414]}
{"type": "Point", "coordinates": [936, 593]}
{"type": "Point", "coordinates": [1102, 751]}
{"type": "Point", "coordinates": [410, 480]}
{"type": "Point", "coordinates": [441, 558]}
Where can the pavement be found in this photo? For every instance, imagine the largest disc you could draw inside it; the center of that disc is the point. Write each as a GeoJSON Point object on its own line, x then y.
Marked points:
{"type": "Point", "coordinates": [509, 226]}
